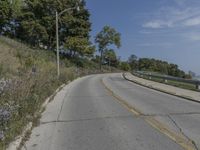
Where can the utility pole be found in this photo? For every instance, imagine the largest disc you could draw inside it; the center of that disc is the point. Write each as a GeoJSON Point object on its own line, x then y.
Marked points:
{"type": "Point", "coordinates": [109, 65]}
{"type": "Point", "coordinates": [101, 60]}
{"type": "Point", "coordinates": [57, 46]}
{"type": "Point", "coordinates": [57, 35]}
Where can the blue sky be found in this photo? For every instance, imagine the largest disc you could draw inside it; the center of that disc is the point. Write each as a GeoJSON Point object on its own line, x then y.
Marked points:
{"type": "Point", "coordinates": [163, 29]}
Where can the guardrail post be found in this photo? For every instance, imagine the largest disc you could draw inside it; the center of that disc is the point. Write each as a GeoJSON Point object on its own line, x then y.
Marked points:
{"type": "Point", "coordinates": [149, 76]}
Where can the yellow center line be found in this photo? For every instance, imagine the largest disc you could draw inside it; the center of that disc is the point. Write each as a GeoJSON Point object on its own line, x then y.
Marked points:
{"type": "Point", "coordinates": [178, 138]}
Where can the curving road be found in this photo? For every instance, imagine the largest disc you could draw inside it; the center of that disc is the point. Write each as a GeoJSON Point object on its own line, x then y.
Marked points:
{"type": "Point", "coordinates": [106, 112]}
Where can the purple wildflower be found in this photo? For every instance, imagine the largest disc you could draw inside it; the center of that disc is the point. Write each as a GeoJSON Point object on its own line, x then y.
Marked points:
{"type": "Point", "coordinates": [1, 135]}
{"type": "Point", "coordinates": [4, 115]}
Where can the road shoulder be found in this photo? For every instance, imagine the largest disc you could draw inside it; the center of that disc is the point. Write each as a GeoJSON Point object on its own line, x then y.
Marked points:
{"type": "Point", "coordinates": [175, 91]}
{"type": "Point", "coordinates": [49, 112]}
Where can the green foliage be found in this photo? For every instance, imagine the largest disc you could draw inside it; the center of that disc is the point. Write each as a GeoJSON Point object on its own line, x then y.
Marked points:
{"type": "Point", "coordinates": [124, 66]}
{"type": "Point", "coordinates": [106, 37]}
{"type": "Point", "coordinates": [80, 46]}
{"type": "Point", "coordinates": [96, 59]}
{"type": "Point", "coordinates": [66, 63]}
{"type": "Point", "coordinates": [34, 32]}
{"type": "Point", "coordinates": [9, 11]}
{"type": "Point", "coordinates": [111, 58]}
{"type": "Point", "coordinates": [40, 15]}
{"type": "Point", "coordinates": [33, 21]}
{"type": "Point", "coordinates": [163, 67]}
{"type": "Point", "coordinates": [154, 65]}
{"type": "Point", "coordinates": [84, 63]}
{"type": "Point", "coordinates": [4, 13]}
{"type": "Point", "coordinates": [133, 62]}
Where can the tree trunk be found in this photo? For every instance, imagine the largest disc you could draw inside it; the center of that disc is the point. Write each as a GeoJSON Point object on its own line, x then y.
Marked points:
{"type": "Point", "coordinates": [101, 59]}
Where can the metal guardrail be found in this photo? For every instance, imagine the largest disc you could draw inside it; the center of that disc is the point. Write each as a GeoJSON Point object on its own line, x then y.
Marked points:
{"type": "Point", "coordinates": [165, 78]}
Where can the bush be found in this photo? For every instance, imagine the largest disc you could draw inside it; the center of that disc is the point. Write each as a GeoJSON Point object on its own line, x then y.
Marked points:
{"type": "Point", "coordinates": [125, 66]}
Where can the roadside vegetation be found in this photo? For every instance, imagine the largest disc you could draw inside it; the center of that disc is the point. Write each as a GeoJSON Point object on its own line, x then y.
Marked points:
{"type": "Point", "coordinates": [28, 71]}
{"type": "Point", "coordinates": [28, 77]}
{"type": "Point", "coordinates": [156, 66]}
{"type": "Point", "coordinates": [160, 68]}
{"type": "Point", "coordinates": [28, 61]}
{"type": "Point", "coordinates": [179, 84]}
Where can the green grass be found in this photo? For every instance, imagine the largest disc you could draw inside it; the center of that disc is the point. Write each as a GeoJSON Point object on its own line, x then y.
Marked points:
{"type": "Point", "coordinates": [28, 89]}
{"type": "Point", "coordinates": [183, 85]}
{"type": "Point", "coordinates": [33, 77]}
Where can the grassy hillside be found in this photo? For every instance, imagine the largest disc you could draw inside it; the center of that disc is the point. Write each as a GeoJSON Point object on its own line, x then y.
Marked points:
{"type": "Point", "coordinates": [27, 77]}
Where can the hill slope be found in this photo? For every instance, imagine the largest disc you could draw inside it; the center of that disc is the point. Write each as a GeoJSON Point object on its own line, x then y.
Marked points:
{"type": "Point", "coordinates": [27, 77]}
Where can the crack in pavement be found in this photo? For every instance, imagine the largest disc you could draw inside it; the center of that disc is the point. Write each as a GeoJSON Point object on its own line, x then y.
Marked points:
{"type": "Point", "coordinates": [66, 95]}
{"type": "Point", "coordinates": [89, 119]}
{"type": "Point", "coordinates": [182, 132]}
{"type": "Point", "coordinates": [179, 139]}
{"type": "Point", "coordinates": [87, 96]}
{"type": "Point", "coordinates": [115, 117]}
{"type": "Point", "coordinates": [171, 114]}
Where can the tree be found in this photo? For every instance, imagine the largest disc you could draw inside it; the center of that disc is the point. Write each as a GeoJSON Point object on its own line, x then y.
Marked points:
{"type": "Point", "coordinates": [173, 69]}
{"type": "Point", "coordinates": [9, 11]}
{"type": "Point", "coordinates": [110, 57]}
{"type": "Point", "coordinates": [187, 76]}
{"type": "Point", "coordinates": [36, 24]}
{"type": "Point", "coordinates": [124, 66]}
{"type": "Point", "coordinates": [144, 64]}
{"type": "Point", "coordinates": [133, 62]}
{"type": "Point", "coordinates": [163, 67]}
{"type": "Point", "coordinates": [79, 46]}
{"type": "Point", "coordinates": [106, 37]}
{"type": "Point", "coordinates": [4, 13]}
{"type": "Point", "coordinates": [96, 59]}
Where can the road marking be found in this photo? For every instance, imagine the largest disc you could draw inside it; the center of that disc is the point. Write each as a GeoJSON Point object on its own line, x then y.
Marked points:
{"type": "Point", "coordinates": [178, 138]}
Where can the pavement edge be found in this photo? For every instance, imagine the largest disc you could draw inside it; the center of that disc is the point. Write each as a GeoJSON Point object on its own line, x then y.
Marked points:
{"type": "Point", "coordinates": [18, 142]}
{"type": "Point", "coordinates": [177, 138]}
{"type": "Point", "coordinates": [160, 90]}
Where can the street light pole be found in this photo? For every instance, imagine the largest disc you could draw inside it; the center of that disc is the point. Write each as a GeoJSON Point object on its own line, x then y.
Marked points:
{"type": "Point", "coordinates": [57, 46]}
{"type": "Point", "coordinates": [109, 65]}
{"type": "Point", "coordinates": [57, 36]}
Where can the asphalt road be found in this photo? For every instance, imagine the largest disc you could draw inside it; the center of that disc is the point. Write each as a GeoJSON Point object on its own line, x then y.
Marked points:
{"type": "Point", "coordinates": [106, 112]}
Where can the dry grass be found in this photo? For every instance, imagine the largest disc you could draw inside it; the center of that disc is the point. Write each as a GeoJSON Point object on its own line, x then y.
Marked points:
{"type": "Point", "coordinates": [9, 63]}
{"type": "Point", "coordinates": [33, 78]}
